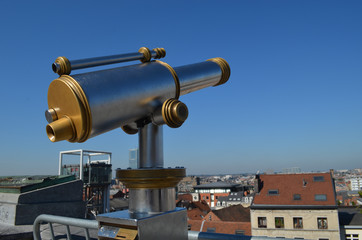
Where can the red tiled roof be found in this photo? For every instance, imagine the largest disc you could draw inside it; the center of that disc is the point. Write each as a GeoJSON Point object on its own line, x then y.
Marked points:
{"type": "Point", "coordinates": [202, 205]}
{"type": "Point", "coordinates": [187, 197]}
{"type": "Point", "coordinates": [290, 184]}
{"type": "Point", "coordinates": [236, 213]}
{"type": "Point", "coordinates": [221, 227]}
{"type": "Point", "coordinates": [195, 214]}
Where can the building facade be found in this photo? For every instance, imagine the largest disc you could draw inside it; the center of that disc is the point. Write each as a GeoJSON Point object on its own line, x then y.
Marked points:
{"type": "Point", "coordinates": [356, 183]}
{"type": "Point", "coordinates": [212, 191]}
{"type": "Point", "coordinates": [299, 206]}
{"type": "Point", "coordinates": [133, 158]}
{"type": "Point", "coordinates": [234, 198]}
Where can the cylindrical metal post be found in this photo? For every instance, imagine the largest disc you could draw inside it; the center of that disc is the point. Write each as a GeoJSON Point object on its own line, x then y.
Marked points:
{"type": "Point", "coordinates": [144, 202]}
{"type": "Point", "coordinates": [150, 146]}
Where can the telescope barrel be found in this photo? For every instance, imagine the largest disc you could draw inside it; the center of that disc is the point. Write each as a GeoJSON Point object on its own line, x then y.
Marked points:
{"type": "Point", "coordinates": [64, 66]}
{"type": "Point", "coordinates": [84, 105]}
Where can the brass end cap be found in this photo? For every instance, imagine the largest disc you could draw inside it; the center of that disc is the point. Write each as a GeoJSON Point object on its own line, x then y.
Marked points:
{"type": "Point", "coordinates": [174, 113]}
{"type": "Point", "coordinates": [151, 178]}
{"type": "Point", "coordinates": [161, 53]}
{"type": "Point", "coordinates": [68, 111]}
{"type": "Point", "coordinates": [61, 66]}
{"type": "Point", "coordinates": [146, 54]}
{"type": "Point", "coordinates": [225, 69]}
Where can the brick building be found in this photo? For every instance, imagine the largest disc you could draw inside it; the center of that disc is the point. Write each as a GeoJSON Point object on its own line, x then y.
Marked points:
{"type": "Point", "coordinates": [295, 206]}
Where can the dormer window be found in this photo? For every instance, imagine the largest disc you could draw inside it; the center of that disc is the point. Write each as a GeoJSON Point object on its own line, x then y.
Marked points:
{"type": "Point", "coordinates": [320, 197]}
{"type": "Point", "coordinates": [297, 197]}
{"type": "Point", "coordinates": [318, 179]}
{"type": "Point", "coordinates": [273, 192]}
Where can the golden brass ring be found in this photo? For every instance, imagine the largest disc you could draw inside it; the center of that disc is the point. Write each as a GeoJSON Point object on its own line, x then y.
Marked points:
{"type": "Point", "coordinates": [175, 77]}
{"type": "Point", "coordinates": [151, 178]}
{"type": "Point", "coordinates": [64, 65]}
{"type": "Point", "coordinates": [146, 54]}
{"type": "Point", "coordinates": [225, 69]}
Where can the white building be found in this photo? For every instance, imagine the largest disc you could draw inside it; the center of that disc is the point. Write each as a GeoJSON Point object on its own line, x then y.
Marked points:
{"type": "Point", "coordinates": [356, 183]}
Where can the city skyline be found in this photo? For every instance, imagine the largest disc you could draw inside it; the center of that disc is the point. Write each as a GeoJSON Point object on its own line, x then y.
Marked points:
{"type": "Point", "coordinates": [293, 99]}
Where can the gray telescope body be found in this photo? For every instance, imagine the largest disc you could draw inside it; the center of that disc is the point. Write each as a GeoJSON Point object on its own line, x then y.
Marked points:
{"type": "Point", "coordinates": [84, 105]}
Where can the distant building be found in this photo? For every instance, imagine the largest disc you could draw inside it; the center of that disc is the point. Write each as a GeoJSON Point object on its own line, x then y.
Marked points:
{"type": "Point", "coordinates": [356, 183]}
{"type": "Point", "coordinates": [212, 191]}
{"type": "Point", "coordinates": [295, 206]}
{"type": "Point", "coordinates": [133, 158]}
{"type": "Point", "coordinates": [292, 170]}
{"type": "Point", "coordinates": [235, 198]}
{"type": "Point", "coordinates": [186, 185]}
{"type": "Point", "coordinates": [348, 198]}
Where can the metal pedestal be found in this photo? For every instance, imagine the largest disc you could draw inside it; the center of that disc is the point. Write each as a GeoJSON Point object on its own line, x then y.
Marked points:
{"type": "Point", "coordinates": [124, 225]}
{"type": "Point", "coordinates": [152, 212]}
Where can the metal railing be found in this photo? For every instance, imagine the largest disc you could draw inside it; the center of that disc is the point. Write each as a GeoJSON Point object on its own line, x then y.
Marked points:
{"type": "Point", "coordinates": [93, 224]}
{"type": "Point", "coordinates": [66, 221]}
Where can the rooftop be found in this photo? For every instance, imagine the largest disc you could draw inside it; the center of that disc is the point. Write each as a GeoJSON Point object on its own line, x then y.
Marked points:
{"type": "Point", "coordinates": [236, 213]}
{"type": "Point", "coordinates": [307, 189]}
{"type": "Point", "coordinates": [349, 216]}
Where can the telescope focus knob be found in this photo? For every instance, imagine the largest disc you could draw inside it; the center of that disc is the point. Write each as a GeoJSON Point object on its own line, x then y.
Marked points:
{"type": "Point", "coordinates": [174, 112]}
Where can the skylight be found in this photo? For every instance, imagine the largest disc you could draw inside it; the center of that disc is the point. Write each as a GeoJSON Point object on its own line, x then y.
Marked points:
{"type": "Point", "coordinates": [273, 192]}
{"type": "Point", "coordinates": [318, 178]}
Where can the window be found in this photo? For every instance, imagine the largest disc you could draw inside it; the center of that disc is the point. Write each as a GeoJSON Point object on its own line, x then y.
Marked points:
{"type": "Point", "coordinates": [207, 197]}
{"type": "Point", "coordinates": [239, 232]}
{"type": "Point", "coordinates": [322, 223]}
{"type": "Point", "coordinates": [318, 179]}
{"type": "Point", "coordinates": [273, 192]}
{"type": "Point", "coordinates": [320, 197]}
{"type": "Point", "coordinates": [223, 203]}
{"type": "Point", "coordinates": [218, 204]}
{"type": "Point", "coordinates": [279, 222]}
{"type": "Point", "coordinates": [351, 236]}
{"type": "Point", "coordinates": [298, 222]}
{"type": "Point", "coordinates": [211, 230]}
{"type": "Point", "coordinates": [261, 222]}
{"type": "Point", "coordinates": [297, 197]}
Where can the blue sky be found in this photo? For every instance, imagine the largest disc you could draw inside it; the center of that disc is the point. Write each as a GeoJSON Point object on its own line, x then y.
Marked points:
{"type": "Point", "coordinates": [293, 98]}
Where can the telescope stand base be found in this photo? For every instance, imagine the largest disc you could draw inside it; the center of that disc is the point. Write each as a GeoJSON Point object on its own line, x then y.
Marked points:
{"type": "Point", "coordinates": [127, 226]}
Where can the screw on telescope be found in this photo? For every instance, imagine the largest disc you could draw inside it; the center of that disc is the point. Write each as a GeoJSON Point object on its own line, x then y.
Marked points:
{"type": "Point", "coordinates": [50, 115]}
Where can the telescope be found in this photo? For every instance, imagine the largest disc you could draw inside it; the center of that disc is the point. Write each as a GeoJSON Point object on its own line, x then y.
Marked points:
{"type": "Point", "coordinates": [138, 98]}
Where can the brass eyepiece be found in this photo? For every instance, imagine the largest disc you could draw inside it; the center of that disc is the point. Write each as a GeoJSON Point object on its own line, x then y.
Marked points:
{"type": "Point", "coordinates": [61, 129]}
{"type": "Point", "coordinates": [174, 112]}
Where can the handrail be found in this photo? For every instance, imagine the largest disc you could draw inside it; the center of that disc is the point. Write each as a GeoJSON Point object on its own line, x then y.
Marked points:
{"type": "Point", "coordinates": [67, 221]}
{"type": "Point", "coordinates": [93, 224]}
